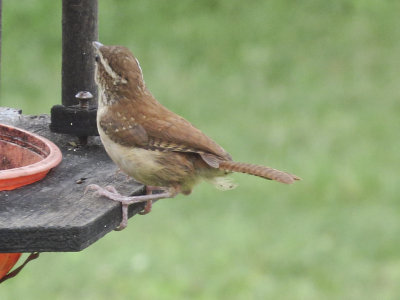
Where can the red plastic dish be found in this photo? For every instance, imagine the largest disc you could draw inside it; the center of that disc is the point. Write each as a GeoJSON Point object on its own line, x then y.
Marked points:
{"type": "Point", "coordinates": [25, 157]}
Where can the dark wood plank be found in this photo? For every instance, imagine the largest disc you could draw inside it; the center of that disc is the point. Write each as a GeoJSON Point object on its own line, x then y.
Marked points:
{"type": "Point", "coordinates": [54, 214]}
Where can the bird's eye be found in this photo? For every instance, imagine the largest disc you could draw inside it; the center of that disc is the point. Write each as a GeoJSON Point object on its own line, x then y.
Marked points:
{"type": "Point", "coordinates": [97, 58]}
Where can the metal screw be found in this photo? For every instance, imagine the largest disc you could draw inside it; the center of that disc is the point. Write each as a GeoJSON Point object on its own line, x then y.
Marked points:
{"type": "Point", "coordinates": [84, 97]}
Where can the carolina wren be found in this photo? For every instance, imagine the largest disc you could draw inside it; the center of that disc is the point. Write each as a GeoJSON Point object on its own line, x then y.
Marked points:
{"type": "Point", "coordinates": [152, 144]}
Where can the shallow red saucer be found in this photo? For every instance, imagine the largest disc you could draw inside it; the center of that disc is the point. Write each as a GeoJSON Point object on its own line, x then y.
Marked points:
{"type": "Point", "coordinates": [25, 157]}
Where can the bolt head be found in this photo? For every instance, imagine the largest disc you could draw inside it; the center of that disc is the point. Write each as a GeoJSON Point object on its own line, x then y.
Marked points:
{"type": "Point", "coordinates": [84, 95]}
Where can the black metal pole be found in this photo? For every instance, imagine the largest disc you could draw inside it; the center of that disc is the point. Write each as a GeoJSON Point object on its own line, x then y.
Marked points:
{"type": "Point", "coordinates": [79, 30]}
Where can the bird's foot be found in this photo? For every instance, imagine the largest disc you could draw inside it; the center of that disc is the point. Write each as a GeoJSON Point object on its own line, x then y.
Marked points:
{"type": "Point", "coordinates": [111, 193]}
{"type": "Point", "coordinates": [149, 204]}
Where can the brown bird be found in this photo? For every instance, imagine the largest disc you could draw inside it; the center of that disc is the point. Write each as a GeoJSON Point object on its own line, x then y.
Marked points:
{"type": "Point", "coordinates": [152, 144]}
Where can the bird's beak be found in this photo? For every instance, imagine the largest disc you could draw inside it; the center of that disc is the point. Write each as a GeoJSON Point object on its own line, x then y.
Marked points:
{"type": "Point", "coordinates": [97, 45]}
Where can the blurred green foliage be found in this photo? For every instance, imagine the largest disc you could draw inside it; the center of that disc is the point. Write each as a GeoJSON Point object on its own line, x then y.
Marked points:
{"type": "Point", "coordinates": [309, 86]}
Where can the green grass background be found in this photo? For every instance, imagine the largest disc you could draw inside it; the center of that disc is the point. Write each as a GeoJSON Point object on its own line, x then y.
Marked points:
{"type": "Point", "coordinates": [308, 86]}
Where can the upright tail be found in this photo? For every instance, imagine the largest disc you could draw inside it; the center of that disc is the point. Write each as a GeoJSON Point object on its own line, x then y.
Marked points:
{"type": "Point", "coordinates": [256, 170]}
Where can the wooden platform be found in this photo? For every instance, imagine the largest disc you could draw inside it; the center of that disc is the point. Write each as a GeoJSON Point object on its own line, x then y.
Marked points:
{"type": "Point", "coordinates": [54, 214]}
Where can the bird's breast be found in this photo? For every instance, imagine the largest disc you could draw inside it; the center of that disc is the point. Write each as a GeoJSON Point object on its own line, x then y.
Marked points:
{"type": "Point", "coordinates": [136, 162]}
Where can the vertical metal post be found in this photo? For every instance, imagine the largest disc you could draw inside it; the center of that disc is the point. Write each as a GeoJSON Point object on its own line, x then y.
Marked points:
{"type": "Point", "coordinates": [79, 30]}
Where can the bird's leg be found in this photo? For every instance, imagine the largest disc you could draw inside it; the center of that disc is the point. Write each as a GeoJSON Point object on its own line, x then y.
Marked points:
{"type": "Point", "coordinates": [149, 203]}
{"type": "Point", "coordinates": [149, 191]}
{"type": "Point", "coordinates": [111, 193]}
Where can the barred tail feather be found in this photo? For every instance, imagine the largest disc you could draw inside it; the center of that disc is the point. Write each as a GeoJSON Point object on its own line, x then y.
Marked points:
{"type": "Point", "coordinates": [256, 170]}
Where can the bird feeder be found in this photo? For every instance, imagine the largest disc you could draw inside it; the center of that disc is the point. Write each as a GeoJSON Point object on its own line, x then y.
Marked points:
{"type": "Point", "coordinates": [54, 214]}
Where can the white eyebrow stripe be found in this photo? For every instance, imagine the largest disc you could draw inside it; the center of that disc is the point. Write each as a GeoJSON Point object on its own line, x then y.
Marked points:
{"type": "Point", "coordinates": [141, 72]}
{"type": "Point", "coordinates": [110, 71]}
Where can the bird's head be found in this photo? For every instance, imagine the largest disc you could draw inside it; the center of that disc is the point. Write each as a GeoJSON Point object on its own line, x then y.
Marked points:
{"type": "Point", "coordinates": [117, 72]}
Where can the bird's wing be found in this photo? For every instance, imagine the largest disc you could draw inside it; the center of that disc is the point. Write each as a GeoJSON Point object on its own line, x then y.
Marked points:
{"type": "Point", "coordinates": [160, 129]}
{"type": "Point", "coordinates": [124, 131]}
{"type": "Point", "coordinates": [171, 130]}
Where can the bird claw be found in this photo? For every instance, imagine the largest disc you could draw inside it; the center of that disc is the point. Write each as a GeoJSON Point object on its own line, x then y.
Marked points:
{"type": "Point", "coordinates": [111, 193]}
{"type": "Point", "coordinates": [112, 189]}
{"type": "Point", "coordinates": [124, 221]}
{"type": "Point", "coordinates": [147, 208]}
{"type": "Point", "coordinates": [91, 187]}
